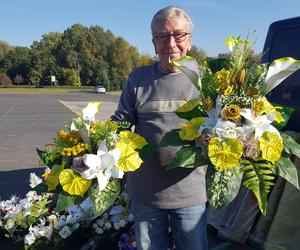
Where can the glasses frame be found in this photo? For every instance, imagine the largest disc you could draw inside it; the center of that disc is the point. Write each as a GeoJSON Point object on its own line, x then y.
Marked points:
{"type": "Point", "coordinates": [167, 37]}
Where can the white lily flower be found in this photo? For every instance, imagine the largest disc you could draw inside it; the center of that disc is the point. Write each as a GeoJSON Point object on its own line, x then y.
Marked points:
{"type": "Point", "coordinates": [29, 239]}
{"type": "Point", "coordinates": [45, 231]}
{"type": "Point", "coordinates": [102, 165]}
{"type": "Point", "coordinates": [259, 123]}
{"type": "Point", "coordinates": [89, 112]}
{"type": "Point", "coordinates": [34, 180]}
{"type": "Point", "coordinates": [74, 124]}
{"type": "Point", "coordinates": [279, 70]}
{"type": "Point", "coordinates": [213, 117]}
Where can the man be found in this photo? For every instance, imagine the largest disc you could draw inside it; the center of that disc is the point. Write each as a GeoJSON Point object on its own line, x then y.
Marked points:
{"type": "Point", "coordinates": [160, 198]}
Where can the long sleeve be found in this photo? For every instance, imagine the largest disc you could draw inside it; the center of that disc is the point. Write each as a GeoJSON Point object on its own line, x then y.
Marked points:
{"type": "Point", "coordinates": [126, 107]}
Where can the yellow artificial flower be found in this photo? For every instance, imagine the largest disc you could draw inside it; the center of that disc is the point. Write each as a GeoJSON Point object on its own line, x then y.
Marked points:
{"type": "Point", "coordinates": [225, 153]}
{"type": "Point", "coordinates": [190, 105]}
{"type": "Point", "coordinates": [134, 140]}
{"type": "Point", "coordinates": [52, 177]}
{"type": "Point", "coordinates": [278, 118]}
{"type": "Point", "coordinates": [225, 89]}
{"type": "Point", "coordinates": [223, 77]}
{"type": "Point", "coordinates": [263, 106]}
{"type": "Point", "coordinates": [271, 146]}
{"type": "Point", "coordinates": [240, 78]}
{"type": "Point", "coordinates": [231, 112]}
{"type": "Point", "coordinates": [72, 183]}
{"type": "Point", "coordinates": [208, 104]}
{"type": "Point", "coordinates": [129, 159]}
{"type": "Point", "coordinates": [190, 129]}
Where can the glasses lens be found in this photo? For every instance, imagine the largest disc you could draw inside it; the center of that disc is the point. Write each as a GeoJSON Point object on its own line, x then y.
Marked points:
{"type": "Point", "coordinates": [164, 37]}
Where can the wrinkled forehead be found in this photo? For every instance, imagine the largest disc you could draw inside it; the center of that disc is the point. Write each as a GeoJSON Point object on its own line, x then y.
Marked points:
{"type": "Point", "coordinates": [171, 24]}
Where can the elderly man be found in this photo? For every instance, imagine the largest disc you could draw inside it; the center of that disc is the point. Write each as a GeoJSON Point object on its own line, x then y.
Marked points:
{"type": "Point", "coordinates": [163, 199]}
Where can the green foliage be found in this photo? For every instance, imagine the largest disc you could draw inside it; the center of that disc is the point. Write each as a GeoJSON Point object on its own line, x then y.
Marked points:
{"type": "Point", "coordinates": [5, 80]}
{"type": "Point", "coordinates": [171, 139]}
{"type": "Point", "coordinates": [188, 157]}
{"type": "Point", "coordinates": [290, 145]}
{"type": "Point", "coordinates": [65, 200]}
{"type": "Point", "coordinates": [198, 53]}
{"type": "Point", "coordinates": [216, 64]}
{"type": "Point", "coordinates": [87, 55]}
{"type": "Point", "coordinates": [198, 111]}
{"type": "Point", "coordinates": [222, 187]}
{"type": "Point", "coordinates": [285, 168]}
{"type": "Point", "coordinates": [286, 113]}
{"type": "Point", "coordinates": [147, 150]}
{"type": "Point", "coordinates": [258, 177]}
{"type": "Point", "coordinates": [71, 77]}
{"type": "Point", "coordinates": [102, 200]}
{"type": "Point", "coordinates": [49, 157]}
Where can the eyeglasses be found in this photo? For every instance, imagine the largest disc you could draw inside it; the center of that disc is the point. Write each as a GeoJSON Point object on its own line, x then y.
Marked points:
{"type": "Point", "coordinates": [165, 37]}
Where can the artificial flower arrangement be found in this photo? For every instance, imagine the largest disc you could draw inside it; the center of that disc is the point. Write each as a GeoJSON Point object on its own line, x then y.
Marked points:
{"type": "Point", "coordinates": [233, 128]}
{"type": "Point", "coordinates": [81, 190]}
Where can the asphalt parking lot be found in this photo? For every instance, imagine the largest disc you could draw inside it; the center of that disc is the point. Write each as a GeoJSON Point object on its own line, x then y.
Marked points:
{"type": "Point", "coordinates": [30, 120]}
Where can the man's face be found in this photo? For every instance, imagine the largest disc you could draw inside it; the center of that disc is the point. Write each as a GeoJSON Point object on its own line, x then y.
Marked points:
{"type": "Point", "coordinates": [172, 40]}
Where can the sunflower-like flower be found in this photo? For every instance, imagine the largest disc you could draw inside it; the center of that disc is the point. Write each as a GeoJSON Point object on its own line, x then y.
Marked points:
{"type": "Point", "coordinates": [225, 153]}
{"type": "Point", "coordinates": [72, 183]}
{"type": "Point", "coordinates": [128, 145]}
{"type": "Point", "coordinates": [231, 113]}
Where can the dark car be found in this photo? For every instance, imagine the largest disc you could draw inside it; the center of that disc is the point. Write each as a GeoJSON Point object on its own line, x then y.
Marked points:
{"type": "Point", "coordinates": [283, 39]}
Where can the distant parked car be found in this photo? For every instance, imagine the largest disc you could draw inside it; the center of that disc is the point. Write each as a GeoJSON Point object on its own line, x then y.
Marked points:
{"type": "Point", "coordinates": [100, 89]}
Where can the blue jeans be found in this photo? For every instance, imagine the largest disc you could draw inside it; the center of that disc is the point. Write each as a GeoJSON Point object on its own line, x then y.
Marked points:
{"type": "Point", "coordinates": [188, 227]}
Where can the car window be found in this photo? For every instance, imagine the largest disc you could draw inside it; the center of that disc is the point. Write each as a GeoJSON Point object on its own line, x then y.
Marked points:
{"type": "Point", "coordinates": [283, 40]}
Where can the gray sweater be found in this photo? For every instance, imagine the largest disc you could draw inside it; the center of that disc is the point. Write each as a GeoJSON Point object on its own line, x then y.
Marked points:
{"type": "Point", "coordinates": [148, 101]}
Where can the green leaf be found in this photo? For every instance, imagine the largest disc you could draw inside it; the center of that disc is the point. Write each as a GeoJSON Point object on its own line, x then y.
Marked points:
{"type": "Point", "coordinates": [64, 201]}
{"type": "Point", "coordinates": [147, 150]}
{"type": "Point", "coordinates": [259, 179]}
{"type": "Point", "coordinates": [187, 157]}
{"type": "Point", "coordinates": [40, 154]}
{"type": "Point", "coordinates": [290, 145]}
{"type": "Point", "coordinates": [172, 139]}
{"type": "Point", "coordinates": [196, 112]}
{"type": "Point", "coordinates": [222, 187]}
{"type": "Point", "coordinates": [286, 169]}
{"type": "Point", "coordinates": [42, 187]}
{"type": "Point", "coordinates": [286, 113]}
{"type": "Point", "coordinates": [104, 199]}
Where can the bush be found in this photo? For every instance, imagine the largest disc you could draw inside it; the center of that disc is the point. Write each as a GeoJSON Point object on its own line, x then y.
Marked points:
{"type": "Point", "coordinates": [5, 79]}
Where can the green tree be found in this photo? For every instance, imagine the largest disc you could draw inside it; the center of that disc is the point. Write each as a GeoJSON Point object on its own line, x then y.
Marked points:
{"type": "Point", "coordinates": [44, 62]}
{"type": "Point", "coordinates": [5, 79]}
{"type": "Point", "coordinates": [4, 49]}
{"type": "Point", "coordinates": [71, 77]}
{"type": "Point", "coordinates": [198, 53]}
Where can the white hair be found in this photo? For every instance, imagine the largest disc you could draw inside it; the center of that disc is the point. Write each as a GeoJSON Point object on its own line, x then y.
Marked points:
{"type": "Point", "coordinates": [168, 12]}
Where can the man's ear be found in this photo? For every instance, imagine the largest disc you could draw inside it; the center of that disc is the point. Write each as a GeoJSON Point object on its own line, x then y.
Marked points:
{"type": "Point", "coordinates": [153, 41]}
{"type": "Point", "coordinates": [190, 45]}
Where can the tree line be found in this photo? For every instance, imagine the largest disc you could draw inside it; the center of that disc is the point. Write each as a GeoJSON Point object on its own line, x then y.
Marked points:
{"type": "Point", "coordinates": [79, 56]}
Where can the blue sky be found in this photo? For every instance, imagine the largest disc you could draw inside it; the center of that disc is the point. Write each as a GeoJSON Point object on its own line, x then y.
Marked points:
{"type": "Point", "coordinates": [23, 21]}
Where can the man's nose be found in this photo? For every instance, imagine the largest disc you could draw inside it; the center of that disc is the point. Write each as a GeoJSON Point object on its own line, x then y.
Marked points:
{"type": "Point", "coordinates": [171, 41]}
